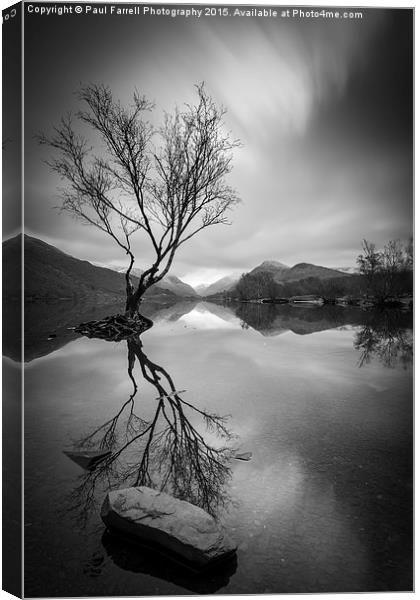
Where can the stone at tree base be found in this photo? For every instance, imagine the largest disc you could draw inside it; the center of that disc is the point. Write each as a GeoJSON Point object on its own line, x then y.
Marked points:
{"type": "Point", "coordinates": [178, 526]}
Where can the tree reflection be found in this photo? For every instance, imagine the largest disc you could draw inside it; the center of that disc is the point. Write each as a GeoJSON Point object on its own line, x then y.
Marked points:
{"type": "Point", "coordinates": [166, 451]}
{"type": "Point", "coordinates": [388, 336]}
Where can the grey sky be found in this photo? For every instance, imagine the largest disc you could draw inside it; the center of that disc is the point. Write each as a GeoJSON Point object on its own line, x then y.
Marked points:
{"type": "Point", "coordinates": [323, 109]}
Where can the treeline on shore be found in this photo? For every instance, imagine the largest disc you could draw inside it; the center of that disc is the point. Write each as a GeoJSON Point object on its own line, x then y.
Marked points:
{"type": "Point", "coordinates": [262, 286]}
{"type": "Point", "coordinates": [384, 277]}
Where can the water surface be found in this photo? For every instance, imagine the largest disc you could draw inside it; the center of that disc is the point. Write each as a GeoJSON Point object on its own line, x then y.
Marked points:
{"type": "Point", "coordinates": [321, 397]}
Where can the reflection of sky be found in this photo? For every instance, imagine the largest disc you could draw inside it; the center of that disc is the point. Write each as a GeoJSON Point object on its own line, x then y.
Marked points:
{"type": "Point", "coordinates": [205, 320]}
{"type": "Point", "coordinates": [313, 535]}
{"type": "Point", "coordinates": [323, 110]}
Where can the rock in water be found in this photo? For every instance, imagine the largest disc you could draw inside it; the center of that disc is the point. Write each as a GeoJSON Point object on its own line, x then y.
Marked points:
{"type": "Point", "coordinates": [244, 456]}
{"type": "Point", "coordinates": [88, 459]}
{"type": "Point", "coordinates": [175, 525]}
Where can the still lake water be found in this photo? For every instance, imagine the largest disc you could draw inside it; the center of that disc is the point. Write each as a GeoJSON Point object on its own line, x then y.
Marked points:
{"type": "Point", "coordinates": [322, 397]}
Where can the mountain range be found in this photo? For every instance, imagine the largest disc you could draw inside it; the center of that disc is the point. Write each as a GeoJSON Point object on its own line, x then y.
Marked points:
{"type": "Point", "coordinates": [221, 285]}
{"type": "Point", "coordinates": [170, 283]}
{"type": "Point", "coordinates": [280, 272]}
{"type": "Point", "coordinates": [52, 274]}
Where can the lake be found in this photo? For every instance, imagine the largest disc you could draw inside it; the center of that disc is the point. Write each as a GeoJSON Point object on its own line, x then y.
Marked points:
{"type": "Point", "coordinates": [321, 397]}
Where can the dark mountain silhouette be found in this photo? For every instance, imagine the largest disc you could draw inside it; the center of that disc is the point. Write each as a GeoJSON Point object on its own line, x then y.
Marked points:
{"type": "Point", "coordinates": [281, 272]}
{"type": "Point", "coordinates": [306, 270]}
{"type": "Point", "coordinates": [52, 274]}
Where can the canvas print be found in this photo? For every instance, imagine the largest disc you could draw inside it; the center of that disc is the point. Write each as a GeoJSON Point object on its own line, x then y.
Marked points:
{"type": "Point", "coordinates": [207, 299]}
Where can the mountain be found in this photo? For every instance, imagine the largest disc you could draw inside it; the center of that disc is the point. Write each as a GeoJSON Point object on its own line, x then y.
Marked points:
{"type": "Point", "coordinates": [282, 272]}
{"type": "Point", "coordinates": [170, 283]}
{"type": "Point", "coordinates": [221, 285]}
{"type": "Point", "coordinates": [305, 270]}
{"type": "Point", "coordinates": [52, 274]}
{"type": "Point", "coordinates": [201, 289]}
{"type": "Point", "coordinates": [277, 269]}
{"type": "Point", "coordinates": [178, 287]}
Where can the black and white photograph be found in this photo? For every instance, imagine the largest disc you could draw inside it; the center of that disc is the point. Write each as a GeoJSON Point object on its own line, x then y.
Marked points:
{"type": "Point", "coordinates": [207, 299]}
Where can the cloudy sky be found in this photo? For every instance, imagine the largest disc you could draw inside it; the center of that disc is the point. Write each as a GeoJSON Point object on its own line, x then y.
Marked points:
{"type": "Point", "coordinates": [323, 110]}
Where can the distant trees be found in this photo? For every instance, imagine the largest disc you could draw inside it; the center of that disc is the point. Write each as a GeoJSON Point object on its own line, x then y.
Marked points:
{"type": "Point", "coordinates": [386, 272]}
{"type": "Point", "coordinates": [167, 183]}
{"type": "Point", "coordinates": [262, 285]}
{"type": "Point", "coordinates": [331, 288]}
{"type": "Point", "coordinates": [256, 286]}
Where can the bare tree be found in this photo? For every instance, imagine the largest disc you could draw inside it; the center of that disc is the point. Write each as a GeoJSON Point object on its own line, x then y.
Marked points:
{"type": "Point", "coordinates": [386, 271]}
{"type": "Point", "coordinates": [369, 262]}
{"type": "Point", "coordinates": [167, 183]}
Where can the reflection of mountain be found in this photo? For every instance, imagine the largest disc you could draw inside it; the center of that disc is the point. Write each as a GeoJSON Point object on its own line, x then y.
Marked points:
{"type": "Point", "coordinates": [274, 319]}
{"type": "Point", "coordinates": [52, 274]}
{"type": "Point", "coordinates": [223, 312]}
{"type": "Point", "coordinates": [385, 334]}
{"type": "Point", "coordinates": [48, 324]}
{"type": "Point", "coordinates": [169, 313]}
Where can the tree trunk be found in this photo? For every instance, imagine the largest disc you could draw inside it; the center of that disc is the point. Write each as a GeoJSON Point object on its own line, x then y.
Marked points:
{"type": "Point", "coordinates": [133, 302]}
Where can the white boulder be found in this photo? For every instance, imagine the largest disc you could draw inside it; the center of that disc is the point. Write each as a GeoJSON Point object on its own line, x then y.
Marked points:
{"type": "Point", "coordinates": [158, 518]}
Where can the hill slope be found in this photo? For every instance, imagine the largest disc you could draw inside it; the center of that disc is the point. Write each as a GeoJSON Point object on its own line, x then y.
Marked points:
{"type": "Point", "coordinates": [277, 269]}
{"type": "Point", "coordinates": [221, 285]}
{"type": "Point", "coordinates": [170, 283]}
{"type": "Point", "coordinates": [305, 270]}
{"type": "Point", "coordinates": [52, 274]}
{"type": "Point", "coordinates": [281, 272]}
